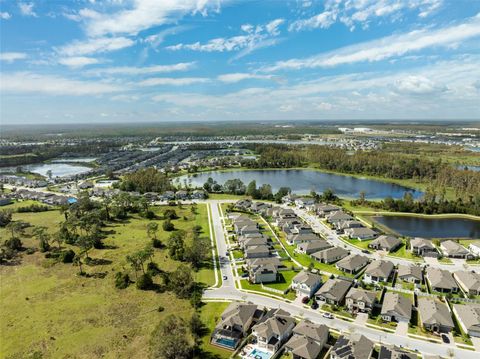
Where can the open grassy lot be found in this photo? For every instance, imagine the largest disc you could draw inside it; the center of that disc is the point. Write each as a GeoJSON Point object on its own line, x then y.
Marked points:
{"type": "Point", "coordinates": [17, 204]}
{"type": "Point", "coordinates": [50, 311]}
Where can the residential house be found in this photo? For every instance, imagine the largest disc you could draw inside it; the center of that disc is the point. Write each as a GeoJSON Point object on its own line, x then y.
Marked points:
{"type": "Point", "coordinates": [261, 251]}
{"type": "Point", "coordinates": [385, 243]}
{"type": "Point", "coordinates": [453, 249]}
{"type": "Point", "coordinates": [341, 226]}
{"type": "Point", "coordinates": [378, 271]}
{"type": "Point", "coordinates": [354, 347]}
{"type": "Point", "coordinates": [263, 273]}
{"type": "Point", "coordinates": [303, 202]}
{"type": "Point", "coordinates": [469, 282]}
{"type": "Point", "coordinates": [259, 207]}
{"type": "Point", "coordinates": [306, 283]}
{"type": "Point", "coordinates": [338, 216]}
{"type": "Point", "coordinates": [234, 324]}
{"type": "Point", "coordinates": [274, 329]}
{"type": "Point", "coordinates": [396, 307]}
{"type": "Point", "coordinates": [468, 316]}
{"type": "Point", "coordinates": [182, 194]}
{"type": "Point", "coordinates": [307, 341]}
{"type": "Point", "coordinates": [441, 280]}
{"type": "Point", "coordinates": [410, 273]}
{"type": "Point", "coordinates": [167, 196]}
{"type": "Point", "coordinates": [434, 315]}
{"type": "Point", "coordinates": [393, 352]}
{"type": "Point", "coordinates": [361, 234]}
{"type": "Point", "coordinates": [243, 204]}
{"type": "Point", "coordinates": [313, 246]}
{"type": "Point", "coordinates": [330, 255]}
{"type": "Point", "coordinates": [295, 239]}
{"type": "Point", "coordinates": [352, 263]}
{"type": "Point", "coordinates": [333, 291]}
{"type": "Point", "coordinates": [474, 248]}
{"type": "Point", "coordinates": [246, 242]}
{"type": "Point", "coordinates": [360, 300]}
{"type": "Point", "coordinates": [423, 247]}
{"type": "Point", "coordinates": [5, 201]}
{"type": "Point", "coordinates": [248, 229]}
{"type": "Point", "coordinates": [198, 194]}
{"type": "Point", "coordinates": [324, 210]}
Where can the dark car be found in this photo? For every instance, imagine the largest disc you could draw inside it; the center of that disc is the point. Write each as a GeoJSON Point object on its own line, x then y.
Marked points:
{"type": "Point", "coordinates": [366, 251]}
{"type": "Point", "coordinates": [225, 277]}
{"type": "Point", "coordinates": [445, 338]}
{"type": "Point", "coordinates": [305, 300]}
{"type": "Point", "coordinates": [314, 305]}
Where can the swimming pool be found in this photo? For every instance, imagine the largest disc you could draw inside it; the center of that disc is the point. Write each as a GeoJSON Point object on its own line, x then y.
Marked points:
{"type": "Point", "coordinates": [259, 354]}
{"type": "Point", "coordinates": [226, 342]}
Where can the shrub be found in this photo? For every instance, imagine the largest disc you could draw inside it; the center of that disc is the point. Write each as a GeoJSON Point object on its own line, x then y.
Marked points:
{"type": "Point", "coordinates": [67, 256]}
{"type": "Point", "coordinates": [168, 226]}
{"type": "Point", "coordinates": [30, 250]}
{"type": "Point", "coordinates": [170, 214]}
{"type": "Point", "coordinates": [156, 243]}
{"type": "Point", "coordinates": [145, 282]}
{"type": "Point", "coordinates": [14, 244]}
{"type": "Point", "coordinates": [122, 280]}
{"type": "Point", "coordinates": [152, 269]}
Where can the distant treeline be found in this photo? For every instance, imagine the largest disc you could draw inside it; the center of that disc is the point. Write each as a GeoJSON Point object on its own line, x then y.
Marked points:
{"type": "Point", "coordinates": [439, 175]}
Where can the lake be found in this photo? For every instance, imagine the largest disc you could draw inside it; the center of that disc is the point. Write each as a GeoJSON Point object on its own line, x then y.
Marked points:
{"type": "Point", "coordinates": [58, 169]}
{"type": "Point", "coordinates": [79, 159]}
{"type": "Point", "coordinates": [431, 227]}
{"type": "Point", "coordinates": [303, 181]}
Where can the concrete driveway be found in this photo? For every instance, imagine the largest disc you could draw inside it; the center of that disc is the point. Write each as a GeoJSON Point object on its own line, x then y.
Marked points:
{"type": "Point", "coordinates": [361, 318]}
{"type": "Point", "coordinates": [402, 329]}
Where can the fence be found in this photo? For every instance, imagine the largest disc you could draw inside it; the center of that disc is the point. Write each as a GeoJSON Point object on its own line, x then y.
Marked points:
{"type": "Point", "coordinates": [273, 290]}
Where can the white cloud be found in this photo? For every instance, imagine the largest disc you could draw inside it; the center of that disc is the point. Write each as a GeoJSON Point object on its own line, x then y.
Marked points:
{"type": "Point", "coordinates": [363, 12]}
{"type": "Point", "coordinates": [26, 82]}
{"type": "Point", "coordinates": [26, 9]}
{"type": "Point", "coordinates": [127, 70]}
{"type": "Point", "coordinates": [156, 39]}
{"type": "Point", "coordinates": [255, 37]}
{"type": "Point", "coordinates": [144, 14]}
{"type": "Point", "coordinates": [97, 45]}
{"type": "Point", "coordinates": [12, 56]}
{"type": "Point", "coordinates": [419, 85]}
{"type": "Point", "coordinates": [182, 81]}
{"type": "Point", "coordinates": [78, 61]}
{"type": "Point", "coordinates": [5, 15]}
{"type": "Point", "coordinates": [388, 47]}
{"type": "Point", "coordinates": [240, 76]}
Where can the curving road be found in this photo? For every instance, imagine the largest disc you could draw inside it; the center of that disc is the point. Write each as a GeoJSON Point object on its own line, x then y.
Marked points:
{"type": "Point", "coordinates": [230, 292]}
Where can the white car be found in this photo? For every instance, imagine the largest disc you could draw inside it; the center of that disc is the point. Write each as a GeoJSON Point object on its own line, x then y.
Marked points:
{"type": "Point", "coordinates": [328, 315]}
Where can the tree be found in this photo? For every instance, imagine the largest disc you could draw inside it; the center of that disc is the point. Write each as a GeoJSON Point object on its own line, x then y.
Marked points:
{"type": "Point", "coordinates": [176, 245]}
{"type": "Point", "coordinates": [170, 214]}
{"type": "Point", "coordinates": [362, 197]}
{"type": "Point", "coordinates": [5, 217]}
{"type": "Point", "coordinates": [282, 192]}
{"type": "Point", "coordinates": [265, 191]}
{"type": "Point", "coordinates": [43, 238]}
{"type": "Point", "coordinates": [49, 174]}
{"type": "Point", "coordinates": [252, 189]}
{"type": "Point", "coordinates": [197, 252]}
{"type": "Point", "coordinates": [85, 243]}
{"type": "Point", "coordinates": [152, 229]}
{"type": "Point", "coordinates": [145, 282]}
{"type": "Point", "coordinates": [168, 226]}
{"type": "Point", "coordinates": [169, 340]}
{"type": "Point", "coordinates": [16, 228]}
{"type": "Point", "coordinates": [181, 281]}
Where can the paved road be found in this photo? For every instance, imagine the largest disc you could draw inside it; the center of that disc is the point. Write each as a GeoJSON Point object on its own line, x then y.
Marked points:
{"type": "Point", "coordinates": [228, 291]}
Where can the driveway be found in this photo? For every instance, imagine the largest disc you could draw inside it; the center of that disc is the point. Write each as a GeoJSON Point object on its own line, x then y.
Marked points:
{"type": "Point", "coordinates": [361, 318]}
{"type": "Point", "coordinates": [402, 329]}
{"type": "Point", "coordinates": [476, 343]}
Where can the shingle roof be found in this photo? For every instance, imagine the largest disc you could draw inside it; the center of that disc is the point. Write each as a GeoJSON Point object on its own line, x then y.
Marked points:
{"type": "Point", "coordinates": [304, 347]}
{"type": "Point", "coordinates": [432, 311]}
{"type": "Point", "coordinates": [318, 245]}
{"type": "Point", "coordinates": [334, 289]}
{"type": "Point", "coordinates": [307, 278]}
{"type": "Point", "coordinates": [237, 314]}
{"type": "Point", "coordinates": [454, 248]}
{"type": "Point", "coordinates": [331, 253]}
{"type": "Point", "coordinates": [276, 324]}
{"type": "Point", "coordinates": [359, 294]}
{"type": "Point", "coordinates": [470, 280]}
{"type": "Point", "coordinates": [380, 268]}
{"type": "Point", "coordinates": [410, 270]}
{"type": "Point", "coordinates": [355, 347]}
{"type": "Point", "coordinates": [387, 242]}
{"type": "Point", "coordinates": [353, 261]}
{"type": "Point", "coordinates": [314, 331]}
{"type": "Point", "coordinates": [469, 315]}
{"type": "Point", "coordinates": [397, 305]}
{"type": "Point", "coordinates": [441, 278]}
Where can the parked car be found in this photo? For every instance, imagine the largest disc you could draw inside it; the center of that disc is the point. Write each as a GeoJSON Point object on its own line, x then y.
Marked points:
{"type": "Point", "coordinates": [328, 315]}
{"type": "Point", "coordinates": [305, 300]}
{"type": "Point", "coordinates": [225, 277]}
{"type": "Point", "coordinates": [314, 305]}
{"type": "Point", "coordinates": [366, 251]}
{"type": "Point", "coordinates": [445, 338]}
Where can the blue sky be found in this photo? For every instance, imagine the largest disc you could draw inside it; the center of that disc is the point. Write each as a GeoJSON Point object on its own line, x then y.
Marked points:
{"type": "Point", "coordinates": [181, 60]}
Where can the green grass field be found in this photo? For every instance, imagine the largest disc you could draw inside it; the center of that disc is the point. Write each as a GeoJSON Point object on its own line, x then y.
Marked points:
{"type": "Point", "coordinates": [50, 311]}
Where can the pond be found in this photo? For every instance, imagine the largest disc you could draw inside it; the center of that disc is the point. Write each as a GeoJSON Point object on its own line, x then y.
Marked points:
{"type": "Point", "coordinates": [302, 181]}
{"type": "Point", "coordinates": [431, 227]}
{"type": "Point", "coordinates": [58, 169]}
{"type": "Point", "coordinates": [79, 159]}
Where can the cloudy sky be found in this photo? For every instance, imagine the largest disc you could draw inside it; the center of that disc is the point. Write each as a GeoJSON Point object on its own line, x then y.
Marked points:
{"type": "Point", "coordinates": [70, 61]}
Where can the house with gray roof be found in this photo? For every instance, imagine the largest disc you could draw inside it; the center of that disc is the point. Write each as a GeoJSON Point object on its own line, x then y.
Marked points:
{"type": "Point", "coordinates": [352, 263]}
{"type": "Point", "coordinates": [274, 329]}
{"type": "Point", "coordinates": [330, 255]}
{"type": "Point", "coordinates": [469, 282]}
{"type": "Point", "coordinates": [307, 341]}
{"type": "Point", "coordinates": [441, 280]}
{"type": "Point", "coordinates": [378, 271]}
{"type": "Point", "coordinates": [252, 262]}
{"type": "Point", "coordinates": [423, 247]}
{"type": "Point", "coordinates": [453, 249]}
{"type": "Point", "coordinates": [341, 226]}
{"type": "Point", "coordinates": [260, 251]}
{"type": "Point", "coordinates": [468, 316]}
{"type": "Point", "coordinates": [313, 246]}
{"type": "Point", "coordinates": [396, 307]}
{"type": "Point", "coordinates": [393, 352]}
{"type": "Point", "coordinates": [306, 283]}
{"type": "Point", "coordinates": [295, 239]}
{"type": "Point", "coordinates": [410, 273]}
{"type": "Point", "coordinates": [434, 315]}
{"type": "Point", "coordinates": [385, 243]}
{"type": "Point", "coordinates": [234, 324]}
{"type": "Point", "coordinates": [324, 210]}
{"type": "Point", "coordinates": [246, 242]}
{"type": "Point", "coordinates": [263, 273]}
{"type": "Point", "coordinates": [356, 346]}
{"type": "Point", "coordinates": [362, 233]}
{"type": "Point", "coordinates": [360, 300]}
{"type": "Point", "coordinates": [338, 216]}
{"type": "Point", "coordinates": [333, 291]}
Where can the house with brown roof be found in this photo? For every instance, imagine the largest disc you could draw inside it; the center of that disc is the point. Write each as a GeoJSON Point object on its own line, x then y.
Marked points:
{"type": "Point", "coordinates": [378, 271]}
{"type": "Point", "coordinates": [360, 300]}
{"type": "Point", "coordinates": [333, 291]}
{"type": "Point", "coordinates": [330, 255]}
{"type": "Point", "coordinates": [385, 243]}
{"type": "Point", "coordinates": [396, 307]}
{"type": "Point", "coordinates": [273, 330]}
{"type": "Point", "coordinates": [313, 246]}
{"type": "Point", "coordinates": [307, 341]}
{"type": "Point", "coordinates": [410, 273]}
{"type": "Point", "coordinates": [441, 280]}
{"type": "Point", "coordinates": [362, 233]}
{"type": "Point", "coordinates": [453, 249]}
{"type": "Point", "coordinates": [434, 315]}
{"type": "Point", "coordinates": [468, 316]}
{"type": "Point", "coordinates": [423, 247]}
{"type": "Point", "coordinates": [469, 282]}
{"type": "Point", "coordinates": [352, 263]}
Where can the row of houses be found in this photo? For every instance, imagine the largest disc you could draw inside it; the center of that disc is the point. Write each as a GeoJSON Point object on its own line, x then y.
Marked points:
{"type": "Point", "coordinates": [44, 197]}
{"type": "Point", "coordinates": [15, 180]}
{"type": "Point", "coordinates": [273, 329]}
